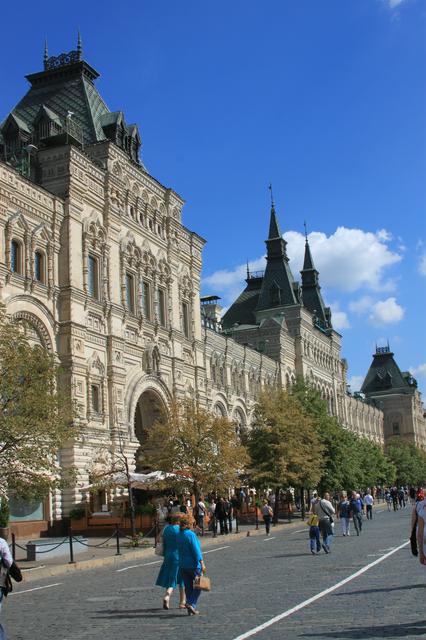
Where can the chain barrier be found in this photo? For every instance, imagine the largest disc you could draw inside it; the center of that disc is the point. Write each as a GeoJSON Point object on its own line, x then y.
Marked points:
{"type": "Point", "coordinates": [94, 546]}
{"type": "Point", "coordinates": [47, 544]}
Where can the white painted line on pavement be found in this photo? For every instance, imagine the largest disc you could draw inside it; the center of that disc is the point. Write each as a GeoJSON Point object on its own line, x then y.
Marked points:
{"type": "Point", "coordinates": [267, 539]}
{"type": "Point", "coordinates": [298, 531]}
{"type": "Point", "coordinates": [135, 566]}
{"type": "Point", "coordinates": [47, 586]}
{"type": "Point", "coordinates": [218, 549]}
{"type": "Point", "coordinates": [305, 603]}
{"type": "Point", "coordinates": [148, 564]}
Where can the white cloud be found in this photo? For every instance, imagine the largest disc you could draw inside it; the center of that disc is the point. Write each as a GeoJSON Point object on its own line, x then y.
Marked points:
{"type": "Point", "coordinates": [386, 312]}
{"type": "Point", "coordinates": [355, 382]}
{"type": "Point", "coordinates": [394, 3]}
{"type": "Point", "coordinates": [422, 265]}
{"type": "Point", "coordinates": [228, 283]}
{"type": "Point", "coordinates": [348, 260]}
{"type": "Point", "coordinates": [339, 318]}
{"type": "Point", "coordinates": [419, 371]}
{"type": "Point", "coordinates": [362, 305]}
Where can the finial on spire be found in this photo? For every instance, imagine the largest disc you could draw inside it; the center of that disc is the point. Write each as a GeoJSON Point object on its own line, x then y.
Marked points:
{"type": "Point", "coordinates": [46, 54]}
{"type": "Point", "coordinates": [79, 45]}
{"type": "Point", "coordinates": [306, 230]}
{"type": "Point", "coordinates": [248, 270]}
{"type": "Point", "coordinates": [272, 196]}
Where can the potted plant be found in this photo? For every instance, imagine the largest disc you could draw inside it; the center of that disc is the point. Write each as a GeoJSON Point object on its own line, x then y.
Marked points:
{"type": "Point", "coordinates": [78, 517]}
{"type": "Point", "coordinates": [4, 519]}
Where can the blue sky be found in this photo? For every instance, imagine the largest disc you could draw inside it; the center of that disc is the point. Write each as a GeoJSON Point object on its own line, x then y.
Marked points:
{"type": "Point", "coordinates": [325, 99]}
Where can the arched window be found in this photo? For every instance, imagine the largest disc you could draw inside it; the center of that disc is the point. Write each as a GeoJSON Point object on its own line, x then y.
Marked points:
{"type": "Point", "coordinates": [16, 257]}
{"type": "Point", "coordinates": [39, 267]}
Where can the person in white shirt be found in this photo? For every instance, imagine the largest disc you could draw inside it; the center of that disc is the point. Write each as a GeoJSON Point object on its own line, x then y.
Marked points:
{"type": "Point", "coordinates": [369, 501]}
{"type": "Point", "coordinates": [5, 562]}
{"type": "Point", "coordinates": [325, 512]}
{"type": "Point", "coordinates": [201, 512]}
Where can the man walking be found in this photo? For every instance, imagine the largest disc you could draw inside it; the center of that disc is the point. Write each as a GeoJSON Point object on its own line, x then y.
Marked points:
{"type": "Point", "coordinates": [325, 512]}
{"type": "Point", "coordinates": [369, 501]}
{"type": "Point", "coordinates": [221, 516]}
{"type": "Point", "coordinates": [356, 512]}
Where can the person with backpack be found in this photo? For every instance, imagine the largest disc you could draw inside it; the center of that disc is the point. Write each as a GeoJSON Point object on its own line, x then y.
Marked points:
{"type": "Point", "coordinates": [267, 513]}
{"type": "Point", "coordinates": [323, 508]}
{"type": "Point", "coordinates": [6, 562]}
{"type": "Point", "coordinates": [314, 534]}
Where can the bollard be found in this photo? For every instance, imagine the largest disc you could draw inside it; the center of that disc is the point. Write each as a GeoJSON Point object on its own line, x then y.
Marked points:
{"type": "Point", "coordinates": [236, 524]}
{"type": "Point", "coordinates": [71, 549]}
{"type": "Point", "coordinates": [117, 541]}
{"type": "Point", "coordinates": [257, 520]}
{"type": "Point", "coordinates": [214, 526]}
{"type": "Point", "coordinates": [13, 546]}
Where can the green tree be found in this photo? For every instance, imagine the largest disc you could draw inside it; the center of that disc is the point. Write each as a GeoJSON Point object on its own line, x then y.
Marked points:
{"type": "Point", "coordinates": [409, 461]}
{"type": "Point", "coordinates": [193, 441]}
{"type": "Point", "coordinates": [376, 468]}
{"type": "Point", "coordinates": [35, 420]}
{"type": "Point", "coordinates": [340, 452]}
{"type": "Point", "coordinates": [283, 445]}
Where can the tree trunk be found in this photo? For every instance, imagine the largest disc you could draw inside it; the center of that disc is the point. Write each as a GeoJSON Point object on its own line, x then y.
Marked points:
{"type": "Point", "coordinates": [302, 502]}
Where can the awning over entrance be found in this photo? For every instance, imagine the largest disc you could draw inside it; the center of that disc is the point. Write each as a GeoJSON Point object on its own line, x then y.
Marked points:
{"type": "Point", "coordinates": [137, 480]}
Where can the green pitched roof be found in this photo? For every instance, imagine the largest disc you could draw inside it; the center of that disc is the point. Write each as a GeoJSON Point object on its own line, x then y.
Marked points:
{"type": "Point", "coordinates": [384, 375]}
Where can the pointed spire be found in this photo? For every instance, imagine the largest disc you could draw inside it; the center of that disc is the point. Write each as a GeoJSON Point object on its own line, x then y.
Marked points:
{"type": "Point", "coordinates": [79, 45]}
{"type": "Point", "coordinates": [274, 227]}
{"type": "Point", "coordinates": [248, 270]}
{"type": "Point", "coordinates": [308, 263]}
{"type": "Point", "coordinates": [46, 54]}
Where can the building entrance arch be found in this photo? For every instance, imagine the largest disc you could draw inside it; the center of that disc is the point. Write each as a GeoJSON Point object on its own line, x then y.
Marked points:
{"type": "Point", "coordinates": [150, 408]}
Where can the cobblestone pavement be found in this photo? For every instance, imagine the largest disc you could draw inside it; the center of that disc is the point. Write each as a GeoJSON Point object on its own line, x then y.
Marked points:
{"type": "Point", "coordinates": [254, 580]}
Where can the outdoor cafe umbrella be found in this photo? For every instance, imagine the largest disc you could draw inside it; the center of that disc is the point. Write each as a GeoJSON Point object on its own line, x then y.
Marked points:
{"type": "Point", "coordinates": [137, 480]}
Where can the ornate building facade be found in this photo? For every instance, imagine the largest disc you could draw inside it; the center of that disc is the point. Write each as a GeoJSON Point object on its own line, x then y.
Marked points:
{"type": "Point", "coordinates": [96, 262]}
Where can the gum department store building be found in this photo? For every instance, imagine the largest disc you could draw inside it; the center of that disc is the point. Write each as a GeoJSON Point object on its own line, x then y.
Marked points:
{"type": "Point", "coordinates": [96, 262]}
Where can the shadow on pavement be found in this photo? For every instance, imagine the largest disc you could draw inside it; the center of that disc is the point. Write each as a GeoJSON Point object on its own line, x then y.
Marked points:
{"type": "Point", "coordinates": [385, 589]}
{"type": "Point", "coordinates": [117, 614]}
{"type": "Point", "coordinates": [414, 629]}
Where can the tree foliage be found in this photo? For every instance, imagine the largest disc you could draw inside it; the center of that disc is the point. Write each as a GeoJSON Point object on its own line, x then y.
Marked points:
{"type": "Point", "coordinates": [409, 462]}
{"type": "Point", "coordinates": [35, 420]}
{"type": "Point", "coordinates": [194, 442]}
{"type": "Point", "coordinates": [283, 445]}
{"type": "Point", "coordinates": [350, 461]}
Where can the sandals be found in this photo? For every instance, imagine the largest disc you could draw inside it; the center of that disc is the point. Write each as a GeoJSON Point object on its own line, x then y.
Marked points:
{"type": "Point", "coordinates": [166, 601]}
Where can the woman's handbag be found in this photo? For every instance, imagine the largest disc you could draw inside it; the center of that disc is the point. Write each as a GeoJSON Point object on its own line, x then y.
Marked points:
{"type": "Point", "coordinates": [202, 583]}
{"type": "Point", "coordinates": [15, 572]}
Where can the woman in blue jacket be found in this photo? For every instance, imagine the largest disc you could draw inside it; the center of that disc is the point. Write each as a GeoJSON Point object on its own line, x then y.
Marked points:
{"type": "Point", "coordinates": [170, 576]}
{"type": "Point", "coordinates": [190, 562]}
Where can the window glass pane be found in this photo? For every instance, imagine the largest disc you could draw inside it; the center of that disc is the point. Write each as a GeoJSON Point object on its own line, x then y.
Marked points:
{"type": "Point", "coordinates": [146, 300]}
{"type": "Point", "coordinates": [93, 277]}
{"type": "Point", "coordinates": [161, 307]}
{"type": "Point", "coordinates": [130, 300]}
{"type": "Point", "coordinates": [94, 389]}
{"type": "Point", "coordinates": [15, 257]}
{"type": "Point", "coordinates": [38, 266]}
{"type": "Point", "coordinates": [185, 319]}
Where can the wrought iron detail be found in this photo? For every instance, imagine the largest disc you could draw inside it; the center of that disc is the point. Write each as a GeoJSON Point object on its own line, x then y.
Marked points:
{"type": "Point", "coordinates": [64, 59]}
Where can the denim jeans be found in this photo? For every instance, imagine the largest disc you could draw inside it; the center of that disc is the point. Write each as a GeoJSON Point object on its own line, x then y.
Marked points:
{"type": "Point", "coordinates": [314, 539]}
{"type": "Point", "coordinates": [192, 594]}
{"type": "Point", "coordinates": [267, 521]}
{"type": "Point", "coordinates": [344, 523]}
{"type": "Point", "coordinates": [2, 631]}
{"type": "Point", "coordinates": [326, 531]}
